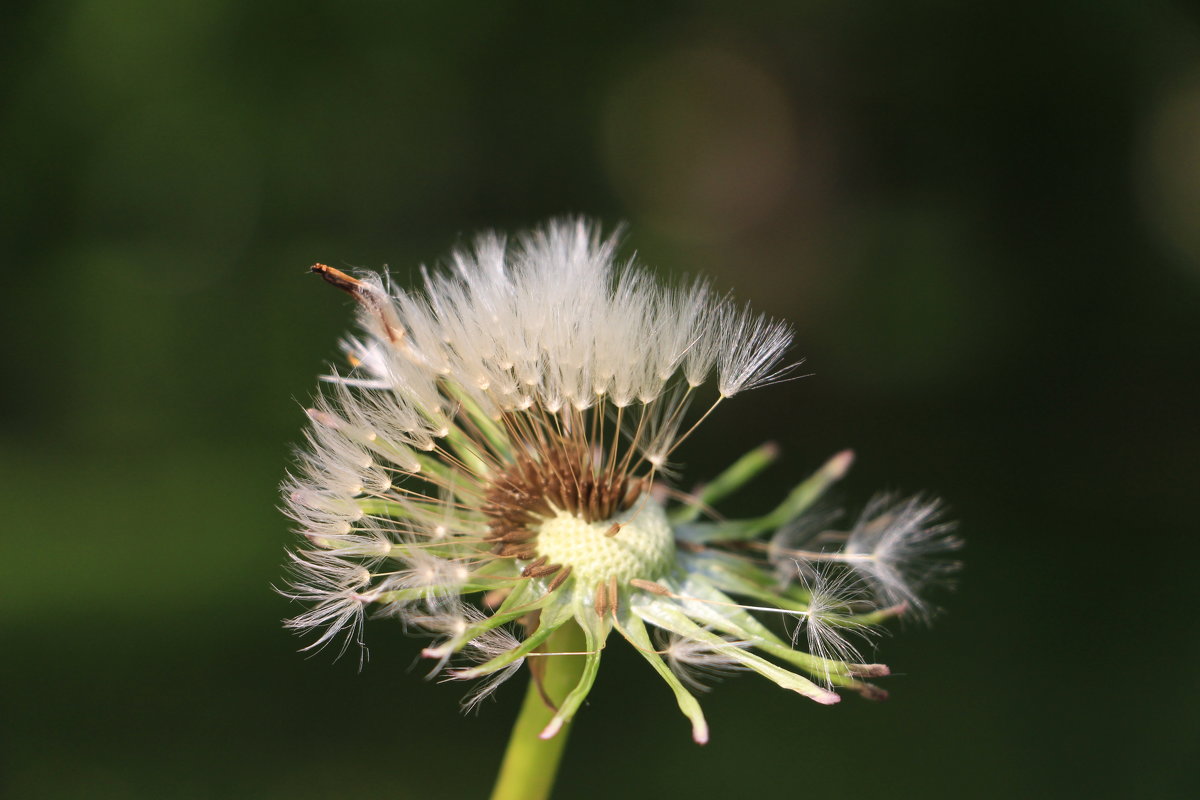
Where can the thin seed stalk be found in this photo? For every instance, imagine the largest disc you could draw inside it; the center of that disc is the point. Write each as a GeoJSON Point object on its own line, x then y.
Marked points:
{"type": "Point", "coordinates": [530, 763]}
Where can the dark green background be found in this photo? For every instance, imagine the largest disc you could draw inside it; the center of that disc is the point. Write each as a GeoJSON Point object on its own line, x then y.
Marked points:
{"type": "Point", "coordinates": [981, 217]}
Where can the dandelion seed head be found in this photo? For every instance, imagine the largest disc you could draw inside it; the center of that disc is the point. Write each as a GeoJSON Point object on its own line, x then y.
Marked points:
{"type": "Point", "coordinates": [494, 462]}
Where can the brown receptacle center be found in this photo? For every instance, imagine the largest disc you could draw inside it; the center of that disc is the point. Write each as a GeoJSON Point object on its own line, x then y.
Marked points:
{"type": "Point", "coordinates": [561, 477]}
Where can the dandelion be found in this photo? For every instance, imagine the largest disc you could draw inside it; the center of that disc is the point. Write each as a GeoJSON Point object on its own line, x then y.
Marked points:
{"type": "Point", "coordinates": [495, 470]}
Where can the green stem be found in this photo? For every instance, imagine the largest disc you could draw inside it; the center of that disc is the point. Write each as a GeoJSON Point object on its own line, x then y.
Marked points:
{"type": "Point", "coordinates": [530, 764]}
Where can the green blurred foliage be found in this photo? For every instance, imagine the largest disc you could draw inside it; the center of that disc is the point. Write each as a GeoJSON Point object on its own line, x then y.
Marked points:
{"type": "Point", "coordinates": [983, 219]}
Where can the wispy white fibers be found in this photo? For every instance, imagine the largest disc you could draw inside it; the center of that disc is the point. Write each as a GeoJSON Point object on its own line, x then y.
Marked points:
{"type": "Point", "coordinates": [898, 547]}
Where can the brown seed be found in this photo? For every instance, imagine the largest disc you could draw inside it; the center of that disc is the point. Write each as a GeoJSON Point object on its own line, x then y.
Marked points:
{"type": "Point", "coordinates": [650, 586]}
{"type": "Point", "coordinates": [601, 604]}
{"type": "Point", "coordinates": [513, 535]}
{"type": "Point", "coordinates": [559, 579]}
{"type": "Point", "coordinates": [520, 550]}
{"type": "Point", "coordinates": [542, 571]}
{"type": "Point", "coordinates": [532, 566]}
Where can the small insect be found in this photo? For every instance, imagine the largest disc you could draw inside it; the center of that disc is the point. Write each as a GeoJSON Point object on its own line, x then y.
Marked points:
{"type": "Point", "coordinates": [371, 297]}
{"type": "Point", "coordinates": [341, 280]}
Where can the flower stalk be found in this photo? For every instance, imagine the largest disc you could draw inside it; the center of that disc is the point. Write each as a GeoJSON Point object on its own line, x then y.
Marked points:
{"type": "Point", "coordinates": [530, 762]}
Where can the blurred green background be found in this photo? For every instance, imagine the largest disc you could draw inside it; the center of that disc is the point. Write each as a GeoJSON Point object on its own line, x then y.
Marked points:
{"type": "Point", "coordinates": [983, 219]}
